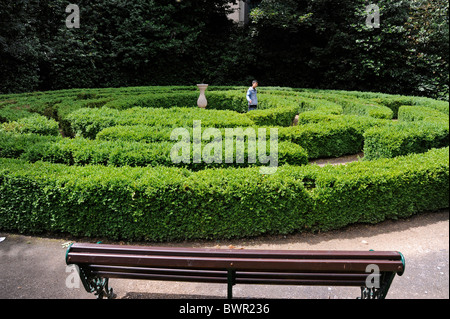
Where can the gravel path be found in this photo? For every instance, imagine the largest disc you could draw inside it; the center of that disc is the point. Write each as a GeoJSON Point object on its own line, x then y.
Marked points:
{"type": "Point", "coordinates": [339, 160]}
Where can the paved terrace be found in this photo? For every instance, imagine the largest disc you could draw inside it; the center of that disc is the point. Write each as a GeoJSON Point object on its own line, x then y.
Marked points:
{"type": "Point", "coordinates": [34, 267]}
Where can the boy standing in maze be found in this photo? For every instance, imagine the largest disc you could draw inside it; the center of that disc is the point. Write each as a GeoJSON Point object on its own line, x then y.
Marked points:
{"type": "Point", "coordinates": [251, 97]}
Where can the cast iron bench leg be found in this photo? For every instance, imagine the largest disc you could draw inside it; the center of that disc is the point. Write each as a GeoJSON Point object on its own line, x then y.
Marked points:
{"type": "Point", "coordinates": [231, 275]}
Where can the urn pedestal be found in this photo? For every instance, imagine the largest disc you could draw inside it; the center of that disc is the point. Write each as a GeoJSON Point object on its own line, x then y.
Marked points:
{"type": "Point", "coordinates": [202, 102]}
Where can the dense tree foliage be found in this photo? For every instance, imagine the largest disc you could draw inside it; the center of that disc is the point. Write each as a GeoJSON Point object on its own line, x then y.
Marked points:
{"type": "Point", "coordinates": [428, 39]}
{"type": "Point", "coordinates": [324, 43]}
{"type": "Point", "coordinates": [119, 42]}
{"type": "Point", "coordinates": [305, 43]}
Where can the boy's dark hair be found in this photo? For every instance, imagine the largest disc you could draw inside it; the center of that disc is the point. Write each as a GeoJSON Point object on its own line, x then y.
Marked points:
{"type": "Point", "coordinates": [254, 81]}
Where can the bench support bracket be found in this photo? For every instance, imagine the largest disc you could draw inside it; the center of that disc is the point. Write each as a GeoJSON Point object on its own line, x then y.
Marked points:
{"type": "Point", "coordinates": [93, 284]}
{"type": "Point", "coordinates": [380, 292]}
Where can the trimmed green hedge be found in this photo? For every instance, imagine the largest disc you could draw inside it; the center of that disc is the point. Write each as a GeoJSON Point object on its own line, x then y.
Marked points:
{"type": "Point", "coordinates": [281, 116]}
{"type": "Point", "coordinates": [80, 151]}
{"type": "Point", "coordinates": [422, 113]}
{"type": "Point", "coordinates": [226, 100]}
{"type": "Point", "coordinates": [137, 133]}
{"type": "Point", "coordinates": [403, 138]}
{"type": "Point", "coordinates": [217, 100]}
{"type": "Point", "coordinates": [161, 204]}
{"type": "Point", "coordinates": [7, 114]}
{"type": "Point", "coordinates": [32, 124]}
{"type": "Point", "coordinates": [419, 129]}
{"type": "Point", "coordinates": [89, 122]}
{"type": "Point", "coordinates": [351, 105]}
{"type": "Point", "coordinates": [13, 145]}
{"type": "Point", "coordinates": [155, 100]}
{"type": "Point", "coordinates": [323, 135]}
{"type": "Point", "coordinates": [322, 106]}
{"type": "Point", "coordinates": [394, 102]}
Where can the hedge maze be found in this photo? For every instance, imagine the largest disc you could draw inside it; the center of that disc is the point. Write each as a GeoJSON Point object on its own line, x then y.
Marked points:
{"type": "Point", "coordinates": [97, 162]}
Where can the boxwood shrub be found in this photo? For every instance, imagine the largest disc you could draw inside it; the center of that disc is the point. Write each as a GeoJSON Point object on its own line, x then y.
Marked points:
{"type": "Point", "coordinates": [96, 191]}
{"type": "Point", "coordinates": [351, 104]}
{"type": "Point", "coordinates": [162, 203]}
{"type": "Point", "coordinates": [320, 134]}
{"type": "Point", "coordinates": [420, 128]}
{"type": "Point", "coordinates": [155, 100]}
{"type": "Point", "coordinates": [32, 124]}
{"type": "Point", "coordinates": [422, 113]}
{"type": "Point", "coordinates": [80, 151]}
{"type": "Point", "coordinates": [321, 106]}
{"type": "Point", "coordinates": [323, 135]}
{"type": "Point", "coordinates": [136, 133]}
{"type": "Point", "coordinates": [403, 138]}
{"type": "Point", "coordinates": [89, 122]}
{"type": "Point", "coordinates": [281, 116]}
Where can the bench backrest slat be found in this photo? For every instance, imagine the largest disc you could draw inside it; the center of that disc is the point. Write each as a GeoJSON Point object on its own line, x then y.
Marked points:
{"type": "Point", "coordinates": [336, 265]}
{"type": "Point", "coordinates": [233, 253]}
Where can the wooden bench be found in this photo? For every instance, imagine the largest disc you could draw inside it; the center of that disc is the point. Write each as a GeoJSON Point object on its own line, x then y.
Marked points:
{"type": "Point", "coordinates": [97, 263]}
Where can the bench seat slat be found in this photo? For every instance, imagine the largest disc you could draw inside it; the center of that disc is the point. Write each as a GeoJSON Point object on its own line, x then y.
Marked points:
{"type": "Point", "coordinates": [302, 282]}
{"type": "Point", "coordinates": [218, 273]}
{"type": "Point", "coordinates": [131, 275]}
{"type": "Point", "coordinates": [238, 280]}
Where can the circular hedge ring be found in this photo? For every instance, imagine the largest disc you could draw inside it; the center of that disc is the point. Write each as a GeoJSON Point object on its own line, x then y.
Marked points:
{"type": "Point", "coordinates": [98, 162]}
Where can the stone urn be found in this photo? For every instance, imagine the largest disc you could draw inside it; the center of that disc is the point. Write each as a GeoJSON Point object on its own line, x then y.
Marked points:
{"type": "Point", "coordinates": [202, 102]}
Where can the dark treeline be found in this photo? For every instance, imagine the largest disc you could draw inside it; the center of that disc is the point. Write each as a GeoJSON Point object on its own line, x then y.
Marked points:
{"type": "Point", "coordinates": [304, 43]}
